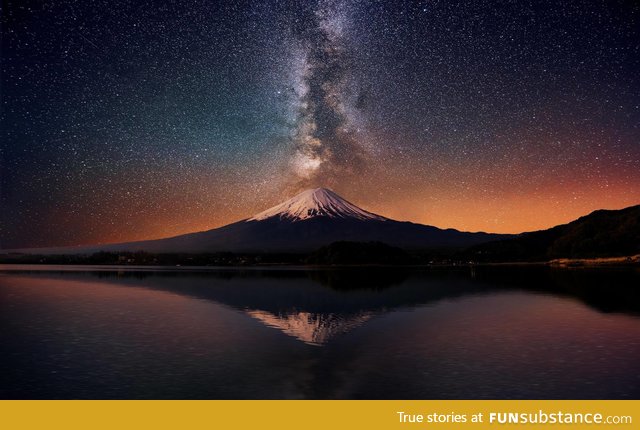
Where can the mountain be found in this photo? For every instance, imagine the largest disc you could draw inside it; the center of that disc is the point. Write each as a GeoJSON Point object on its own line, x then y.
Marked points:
{"type": "Point", "coordinates": [603, 233]}
{"type": "Point", "coordinates": [306, 222]}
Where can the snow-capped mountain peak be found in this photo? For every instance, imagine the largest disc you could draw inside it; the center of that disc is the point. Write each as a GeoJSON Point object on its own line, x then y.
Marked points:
{"type": "Point", "coordinates": [317, 202]}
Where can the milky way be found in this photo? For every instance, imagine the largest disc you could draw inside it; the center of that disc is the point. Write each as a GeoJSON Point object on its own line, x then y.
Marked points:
{"type": "Point", "coordinates": [129, 120]}
{"type": "Point", "coordinates": [328, 149]}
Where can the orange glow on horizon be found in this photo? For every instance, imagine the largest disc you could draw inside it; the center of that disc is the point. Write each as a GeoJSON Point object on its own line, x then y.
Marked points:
{"type": "Point", "coordinates": [510, 214]}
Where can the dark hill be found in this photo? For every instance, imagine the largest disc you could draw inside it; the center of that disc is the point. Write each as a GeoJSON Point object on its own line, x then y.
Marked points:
{"type": "Point", "coordinates": [603, 233]}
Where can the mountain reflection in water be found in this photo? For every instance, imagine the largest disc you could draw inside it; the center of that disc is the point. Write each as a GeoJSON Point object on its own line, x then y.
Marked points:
{"type": "Point", "coordinates": [356, 333]}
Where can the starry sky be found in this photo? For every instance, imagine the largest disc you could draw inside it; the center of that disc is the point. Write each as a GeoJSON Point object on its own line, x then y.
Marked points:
{"type": "Point", "coordinates": [125, 120]}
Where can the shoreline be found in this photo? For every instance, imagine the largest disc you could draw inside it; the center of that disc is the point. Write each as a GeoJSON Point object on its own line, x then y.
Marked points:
{"type": "Point", "coordinates": [560, 263]}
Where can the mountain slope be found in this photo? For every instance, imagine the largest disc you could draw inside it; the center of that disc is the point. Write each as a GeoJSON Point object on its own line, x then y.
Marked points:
{"type": "Point", "coordinates": [312, 219]}
{"type": "Point", "coordinates": [603, 233]}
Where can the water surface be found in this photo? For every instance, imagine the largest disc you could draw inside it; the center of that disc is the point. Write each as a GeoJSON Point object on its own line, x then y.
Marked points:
{"type": "Point", "coordinates": [295, 334]}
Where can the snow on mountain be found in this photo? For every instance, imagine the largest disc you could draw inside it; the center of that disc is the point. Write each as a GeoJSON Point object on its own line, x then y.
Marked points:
{"type": "Point", "coordinates": [318, 202]}
{"type": "Point", "coordinates": [309, 327]}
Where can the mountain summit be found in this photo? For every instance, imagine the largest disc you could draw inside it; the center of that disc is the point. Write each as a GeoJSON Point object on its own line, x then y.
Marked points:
{"type": "Point", "coordinates": [317, 202]}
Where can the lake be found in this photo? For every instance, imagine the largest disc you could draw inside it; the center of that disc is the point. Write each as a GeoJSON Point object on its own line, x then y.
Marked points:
{"type": "Point", "coordinates": [368, 333]}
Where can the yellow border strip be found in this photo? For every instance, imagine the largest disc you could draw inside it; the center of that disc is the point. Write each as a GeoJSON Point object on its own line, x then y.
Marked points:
{"type": "Point", "coordinates": [306, 415]}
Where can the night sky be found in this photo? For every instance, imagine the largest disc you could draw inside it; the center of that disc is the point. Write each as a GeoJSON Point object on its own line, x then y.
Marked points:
{"type": "Point", "coordinates": [125, 120]}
